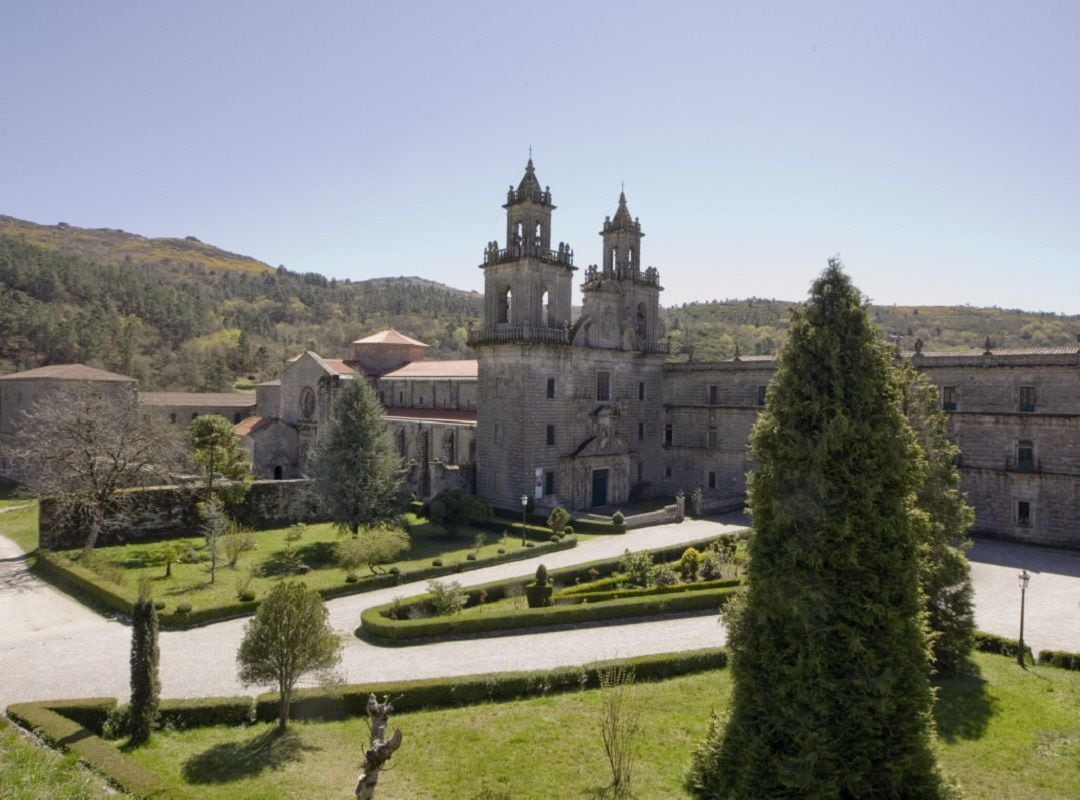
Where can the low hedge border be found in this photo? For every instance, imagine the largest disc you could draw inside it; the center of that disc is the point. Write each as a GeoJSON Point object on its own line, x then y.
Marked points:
{"type": "Point", "coordinates": [85, 584]}
{"type": "Point", "coordinates": [651, 591]}
{"type": "Point", "coordinates": [205, 712]}
{"type": "Point", "coordinates": [1062, 659]}
{"type": "Point", "coordinates": [1001, 645]}
{"type": "Point", "coordinates": [377, 625]}
{"type": "Point", "coordinates": [50, 722]}
{"type": "Point", "coordinates": [469, 689]}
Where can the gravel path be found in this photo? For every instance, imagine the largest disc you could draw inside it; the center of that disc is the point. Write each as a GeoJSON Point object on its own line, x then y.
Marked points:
{"type": "Point", "coordinates": [51, 646]}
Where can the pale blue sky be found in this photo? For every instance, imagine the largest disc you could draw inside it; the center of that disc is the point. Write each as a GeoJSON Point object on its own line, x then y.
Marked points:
{"type": "Point", "coordinates": [932, 144]}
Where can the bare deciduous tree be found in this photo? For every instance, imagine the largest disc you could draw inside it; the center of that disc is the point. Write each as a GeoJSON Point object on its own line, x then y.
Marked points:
{"type": "Point", "coordinates": [620, 724]}
{"type": "Point", "coordinates": [82, 445]}
{"type": "Point", "coordinates": [381, 748]}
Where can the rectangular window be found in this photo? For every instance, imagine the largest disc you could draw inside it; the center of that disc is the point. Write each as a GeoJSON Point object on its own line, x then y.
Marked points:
{"type": "Point", "coordinates": [603, 386]}
{"type": "Point", "coordinates": [1023, 512]}
{"type": "Point", "coordinates": [714, 394]}
{"type": "Point", "coordinates": [667, 471]}
{"type": "Point", "coordinates": [550, 435]}
{"type": "Point", "coordinates": [1025, 455]}
{"type": "Point", "coordinates": [948, 398]}
{"type": "Point", "coordinates": [761, 395]}
{"type": "Point", "coordinates": [1027, 398]}
{"type": "Point", "coordinates": [549, 483]}
{"type": "Point", "coordinates": [641, 431]}
{"type": "Point", "coordinates": [710, 439]}
{"type": "Point", "coordinates": [640, 471]}
{"type": "Point", "coordinates": [551, 389]}
{"type": "Point", "coordinates": [712, 480]}
{"type": "Point", "coordinates": [496, 431]}
{"type": "Point", "coordinates": [669, 434]}
{"type": "Point", "coordinates": [641, 390]}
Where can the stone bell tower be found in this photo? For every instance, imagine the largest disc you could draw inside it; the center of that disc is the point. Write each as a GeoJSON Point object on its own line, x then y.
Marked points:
{"type": "Point", "coordinates": [621, 301]}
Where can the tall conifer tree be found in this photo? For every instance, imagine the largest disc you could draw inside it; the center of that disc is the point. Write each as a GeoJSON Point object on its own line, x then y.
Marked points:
{"type": "Point", "coordinates": [829, 655]}
{"type": "Point", "coordinates": [145, 654]}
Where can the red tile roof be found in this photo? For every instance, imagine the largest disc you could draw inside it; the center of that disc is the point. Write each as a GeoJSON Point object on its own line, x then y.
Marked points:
{"type": "Point", "coordinates": [432, 415]}
{"type": "Point", "coordinates": [68, 372]}
{"type": "Point", "coordinates": [339, 366]}
{"type": "Point", "coordinates": [389, 336]}
{"type": "Point", "coordinates": [465, 368]}
{"type": "Point", "coordinates": [250, 425]}
{"type": "Point", "coordinates": [996, 351]}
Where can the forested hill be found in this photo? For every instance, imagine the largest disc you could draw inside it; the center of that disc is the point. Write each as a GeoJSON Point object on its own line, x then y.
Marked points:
{"type": "Point", "coordinates": [708, 331]}
{"type": "Point", "coordinates": [200, 321]}
{"type": "Point", "coordinates": [180, 314]}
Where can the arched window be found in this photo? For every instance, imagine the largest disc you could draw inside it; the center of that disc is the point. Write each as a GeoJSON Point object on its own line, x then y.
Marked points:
{"type": "Point", "coordinates": [278, 473]}
{"type": "Point", "coordinates": [449, 448]}
{"type": "Point", "coordinates": [546, 311]}
{"type": "Point", "coordinates": [401, 442]}
{"type": "Point", "coordinates": [614, 257]}
{"type": "Point", "coordinates": [630, 257]}
{"type": "Point", "coordinates": [505, 300]}
{"type": "Point", "coordinates": [642, 323]}
{"type": "Point", "coordinates": [538, 235]}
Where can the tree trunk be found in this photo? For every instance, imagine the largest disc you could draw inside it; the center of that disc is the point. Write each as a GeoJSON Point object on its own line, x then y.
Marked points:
{"type": "Point", "coordinates": [284, 703]}
{"type": "Point", "coordinates": [380, 751]}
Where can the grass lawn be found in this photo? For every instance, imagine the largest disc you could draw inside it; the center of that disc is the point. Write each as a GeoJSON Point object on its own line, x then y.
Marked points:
{"type": "Point", "coordinates": [1007, 733]}
{"type": "Point", "coordinates": [21, 523]}
{"type": "Point", "coordinates": [30, 772]}
{"type": "Point", "coordinates": [261, 568]}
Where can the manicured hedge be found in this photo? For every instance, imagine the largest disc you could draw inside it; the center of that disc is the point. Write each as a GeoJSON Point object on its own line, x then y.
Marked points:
{"type": "Point", "coordinates": [204, 712]}
{"type": "Point", "coordinates": [375, 623]}
{"type": "Point", "coordinates": [649, 591]}
{"type": "Point", "coordinates": [1002, 645]}
{"type": "Point", "coordinates": [84, 583]}
{"type": "Point", "coordinates": [468, 689]}
{"type": "Point", "coordinates": [1060, 658]}
{"type": "Point", "coordinates": [67, 734]}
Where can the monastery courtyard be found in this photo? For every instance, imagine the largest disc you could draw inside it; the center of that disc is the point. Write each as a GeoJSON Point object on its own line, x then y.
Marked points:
{"type": "Point", "coordinates": [53, 647]}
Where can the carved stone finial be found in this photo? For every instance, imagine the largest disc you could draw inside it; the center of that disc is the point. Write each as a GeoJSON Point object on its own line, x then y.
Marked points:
{"type": "Point", "coordinates": [986, 347]}
{"type": "Point", "coordinates": [918, 347]}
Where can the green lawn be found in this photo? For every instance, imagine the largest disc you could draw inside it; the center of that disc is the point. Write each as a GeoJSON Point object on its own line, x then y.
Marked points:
{"type": "Point", "coordinates": [21, 523]}
{"type": "Point", "coordinates": [127, 565]}
{"type": "Point", "coordinates": [1008, 733]}
{"type": "Point", "coordinates": [29, 771]}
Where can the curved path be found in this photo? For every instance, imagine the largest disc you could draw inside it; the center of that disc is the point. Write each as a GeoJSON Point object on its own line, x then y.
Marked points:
{"type": "Point", "coordinates": [52, 647]}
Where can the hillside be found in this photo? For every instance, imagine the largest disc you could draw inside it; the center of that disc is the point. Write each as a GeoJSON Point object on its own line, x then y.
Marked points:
{"type": "Point", "coordinates": [180, 314]}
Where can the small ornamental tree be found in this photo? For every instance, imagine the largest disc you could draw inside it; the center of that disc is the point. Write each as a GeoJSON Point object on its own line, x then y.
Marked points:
{"type": "Point", "coordinates": [946, 517]}
{"type": "Point", "coordinates": [220, 453]}
{"type": "Point", "coordinates": [377, 545]}
{"type": "Point", "coordinates": [558, 519]}
{"type": "Point", "coordinates": [454, 509]}
{"type": "Point", "coordinates": [829, 656]}
{"type": "Point", "coordinates": [145, 655]}
{"type": "Point", "coordinates": [288, 637]}
{"type": "Point", "coordinates": [354, 467]}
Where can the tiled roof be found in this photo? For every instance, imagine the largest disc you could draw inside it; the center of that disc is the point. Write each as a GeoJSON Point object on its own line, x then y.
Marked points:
{"type": "Point", "coordinates": [68, 372]}
{"type": "Point", "coordinates": [1002, 351]}
{"type": "Point", "coordinates": [192, 399]}
{"type": "Point", "coordinates": [465, 368]}
{"type": "Point", "coordinates": [432, 414]}
{"type": "Point", "coordinates": [389, 336]}
{"type": "Point", "coordinates": [250, 425]}
{"type": "Point", "coordinates": [339, 366]}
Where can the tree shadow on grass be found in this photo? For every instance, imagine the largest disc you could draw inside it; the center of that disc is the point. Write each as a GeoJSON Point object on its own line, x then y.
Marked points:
{"type": "Point", "coordinates": [318, 554]}
{"type": "Point", "coordinates": [230, 761]}
{"type": "Point", "coordinates": [964, 708]}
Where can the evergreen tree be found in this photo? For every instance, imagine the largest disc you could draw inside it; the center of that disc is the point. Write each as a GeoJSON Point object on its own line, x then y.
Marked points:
{"type": "Point", "coordinates": [145, 683]}
{"type": "Point", "coordinates": [354, 467]}
{"type": "Point", "coordinates": [219, 451]}
{"type": "Point", "coordinates": [944, 572]}
{"type": "Point", "coordinates": [829, 656]}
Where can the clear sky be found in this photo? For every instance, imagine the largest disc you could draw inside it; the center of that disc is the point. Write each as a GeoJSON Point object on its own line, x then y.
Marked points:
{"type": "Point", "coordinates": [933, 145]}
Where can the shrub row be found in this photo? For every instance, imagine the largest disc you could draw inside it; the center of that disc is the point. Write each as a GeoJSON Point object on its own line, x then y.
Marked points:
{"type": "Point", "coordinates": [649, 591]}
{"type": "Point", "coordinates": [1060, 658]}
{"type": "Point", "coordinates": [1001, 645]}
{"type": "Point", "coordinates": [376, 623]}
{"type": "Point", "coordinates": [464, 690]}
{"type": "Point", "coordinates": [205, 712]}
{"type": "Point", "coordinates": [65, 733]}
{"type": "Point", "coordinates": [85, 583]}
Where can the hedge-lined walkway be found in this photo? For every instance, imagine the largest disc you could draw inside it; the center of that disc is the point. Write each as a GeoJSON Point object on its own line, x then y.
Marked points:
{"type": "Point", "coordinates": [69, 651]}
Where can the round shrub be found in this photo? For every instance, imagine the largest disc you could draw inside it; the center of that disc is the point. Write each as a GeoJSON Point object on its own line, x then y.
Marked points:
{"type": "Point", "coordinates": [437, 562]}
{"type": "Point", "coordinates": [303, 569]}
{"type": "Point", "coordinates": [530, 544]}
{"type": "Point", "coordinates": [395, 570]}
{"type": "Point", "coordinates": [617, 519]}
{"type": "Point", "coordinates": [568, 530]}
{"type": "Point", "coordinates": [247, 596]}
{"type": "Point", "coordinates": [352, 577]}
{"type": "Point", "coordinates": [501, 551]}
{"type": "Point", "coordinates": [471, 556]}
{"type": "Point", "coordinates": [159, 605]}
{"type": "Point", "coordinates": [556, 538]}
{"type": "Point", "coordinates": [183, 608]}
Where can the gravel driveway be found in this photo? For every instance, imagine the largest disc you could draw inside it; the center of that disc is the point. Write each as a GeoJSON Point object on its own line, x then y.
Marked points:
{"type": "Point", "coordinates": [52, 647]}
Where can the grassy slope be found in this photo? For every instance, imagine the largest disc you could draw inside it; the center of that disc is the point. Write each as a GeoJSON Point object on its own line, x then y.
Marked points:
{"type": "Point", "coordinates": [1010, 733]}
{"type": "Point", "coordinates": [30, 772]}
{"type": "Point", "coordinates": [21, 523]}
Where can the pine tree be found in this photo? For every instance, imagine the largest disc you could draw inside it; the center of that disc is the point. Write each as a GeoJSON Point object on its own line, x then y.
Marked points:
{"type": "Point", "coordinates": [354, 468]}
{"type": "Point", "coordinates": [944, 573]}
{"type": "Point", "coordinates": [828, 653]}
{"type": "Point", "coordinates": [145, 653]}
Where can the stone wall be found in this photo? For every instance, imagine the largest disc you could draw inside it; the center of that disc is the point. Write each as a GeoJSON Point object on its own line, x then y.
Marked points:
{"type": "Point", "coordinates": [169, 511]}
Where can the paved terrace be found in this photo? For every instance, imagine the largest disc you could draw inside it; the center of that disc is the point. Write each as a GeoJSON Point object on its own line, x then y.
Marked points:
{"type": "Point", "coordinates": [53, 647]}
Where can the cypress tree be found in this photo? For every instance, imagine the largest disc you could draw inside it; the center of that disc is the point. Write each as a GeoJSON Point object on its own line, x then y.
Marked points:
{"type": "Point", "coordinates": [946, 517]}
{"type": "Point", "coordinates": [145, 683]}
{"type": "Point", "coordinates": [829, 657]}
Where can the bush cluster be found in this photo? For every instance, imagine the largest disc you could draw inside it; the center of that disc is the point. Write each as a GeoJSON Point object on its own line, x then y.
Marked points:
{"type": "Point", "coordinates": [1060, 658]}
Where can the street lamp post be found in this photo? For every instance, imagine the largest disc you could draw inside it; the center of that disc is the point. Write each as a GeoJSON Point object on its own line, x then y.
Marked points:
{"type": "Point", "coordinates": [1023, 578]}
{"type": "Point", "coordinates": [524, 505]}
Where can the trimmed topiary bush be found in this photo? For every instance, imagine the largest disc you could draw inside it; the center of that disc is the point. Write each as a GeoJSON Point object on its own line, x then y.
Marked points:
{"type": "Point", "coordinates": [183, 608]}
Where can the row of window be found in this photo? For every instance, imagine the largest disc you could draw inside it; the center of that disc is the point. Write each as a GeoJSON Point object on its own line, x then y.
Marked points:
{"type": "Point", "coordinates": [950, 398]}
{"type": "Point", "coordinates": [603, 388]}
{"type": "Point", "coordinates": [714, 394]}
